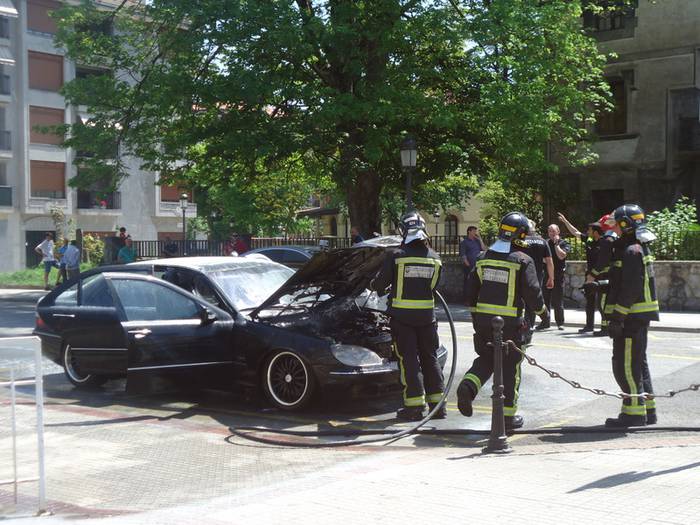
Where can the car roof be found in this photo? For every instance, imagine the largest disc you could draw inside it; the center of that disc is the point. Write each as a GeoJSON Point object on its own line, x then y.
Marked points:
{"type": "Point", "coordinates": [204, 263]}
{"type": "Point", "coordinates": [294, 247]}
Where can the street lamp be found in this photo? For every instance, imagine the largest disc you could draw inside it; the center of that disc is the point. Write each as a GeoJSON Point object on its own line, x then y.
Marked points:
{"type": "Point", "coordinates": [436, 215]}
{"type": "Point", "coordinates": [183, 206]}
{"type": "Point", "coordinates": [408, 162]}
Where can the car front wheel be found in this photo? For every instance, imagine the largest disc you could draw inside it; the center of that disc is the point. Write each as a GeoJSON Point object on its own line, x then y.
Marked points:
{"type": "Point", "coordinates": [288, 381]}
{"type": "Point", "coordinates": [74, 374]}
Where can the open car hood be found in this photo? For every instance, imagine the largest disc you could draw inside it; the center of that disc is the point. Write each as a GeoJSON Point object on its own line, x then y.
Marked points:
{"type": "Point", "coordinates": [342, 272]}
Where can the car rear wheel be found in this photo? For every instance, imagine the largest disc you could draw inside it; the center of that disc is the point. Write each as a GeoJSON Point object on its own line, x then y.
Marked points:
{"type": "Point", "coordinates": [74, 374]}
{"type": "Point", "coordinates": [288, 381]}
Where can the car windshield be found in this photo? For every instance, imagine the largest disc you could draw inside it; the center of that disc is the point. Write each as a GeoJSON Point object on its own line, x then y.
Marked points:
{"type": "Point", "coordinates": [247, 287]}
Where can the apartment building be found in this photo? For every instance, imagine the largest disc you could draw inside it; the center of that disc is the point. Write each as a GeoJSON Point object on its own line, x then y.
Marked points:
{"type": "Point", "coordinates": [35, 169]}
{"type": "Point", "coordinates": [649, 146]}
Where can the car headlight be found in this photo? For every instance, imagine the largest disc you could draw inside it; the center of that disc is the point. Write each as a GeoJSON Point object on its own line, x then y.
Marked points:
{"type": "Point", "coordinates": [353, 355]}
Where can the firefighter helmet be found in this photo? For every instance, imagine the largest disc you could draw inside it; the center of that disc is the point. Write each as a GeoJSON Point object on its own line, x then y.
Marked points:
{"type": "Point", "coordinates": [607, 222]}
{"type": "Point", "coordinates": [513, 226]}
{"type": "Point", "coordinates": [632, 219]}
{"type": "Point", "coordinates": [412, 227]}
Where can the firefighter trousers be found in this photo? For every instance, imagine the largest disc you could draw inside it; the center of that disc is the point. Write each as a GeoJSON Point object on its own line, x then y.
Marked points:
{"type": "Point", "coordinates": [482, 367]}
{"type": "Point", "coordinates": [416, 347]}
{"type": "Point", "coordinates": [631, 369]}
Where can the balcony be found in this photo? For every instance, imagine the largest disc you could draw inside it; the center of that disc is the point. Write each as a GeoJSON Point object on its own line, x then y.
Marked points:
{"type": "Point", "coordinates": [6, 196]}
{"type": "Point", "coordinates": [96, 200]}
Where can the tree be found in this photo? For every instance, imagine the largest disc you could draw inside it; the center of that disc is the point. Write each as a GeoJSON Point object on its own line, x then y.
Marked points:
{"type": "Point", "coordinates": [236, 90]}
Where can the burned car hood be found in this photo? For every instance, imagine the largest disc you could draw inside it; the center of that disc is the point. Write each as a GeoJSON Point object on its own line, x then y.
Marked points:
{"type": "Point", "coordinates": [342, 272]}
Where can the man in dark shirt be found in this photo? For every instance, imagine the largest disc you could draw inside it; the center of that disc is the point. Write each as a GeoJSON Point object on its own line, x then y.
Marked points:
{"type": "Point", "coordinates": [469, 248]}
{"type": "Point", "coordinates": [355, 236]}
{"type": "Point", "coordinates": [554, 297]}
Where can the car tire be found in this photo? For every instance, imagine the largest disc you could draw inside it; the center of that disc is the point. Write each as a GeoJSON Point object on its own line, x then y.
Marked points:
{"type": "Point", "coordinates": [75, 376]}
{"type": "Point", "coordinates": [288, 381]}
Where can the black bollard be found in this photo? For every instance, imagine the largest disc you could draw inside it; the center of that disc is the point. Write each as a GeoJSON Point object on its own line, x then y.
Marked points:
{"type": "Point", "coordinates": [498, 442]}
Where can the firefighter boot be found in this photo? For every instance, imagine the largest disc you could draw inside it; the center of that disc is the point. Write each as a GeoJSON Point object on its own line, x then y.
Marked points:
{"type": "Point", "coordinates": [410, 413]}
{"type": "Point", "coordinates": [465, 395]}
{"type": "Point", "coordinates": [513, 422]}
{"type": "Point", "coordinates": [651, 416]}
{"type": "Point", "coordinates": [626, 420]}
{"type": "Point", "coordinates": [441, 412]}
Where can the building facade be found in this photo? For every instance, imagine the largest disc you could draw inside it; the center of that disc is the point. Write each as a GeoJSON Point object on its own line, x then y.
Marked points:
{"type": "Point", "coordinates": [35, 169]}
{"type": "Point", "coordinates": [649, 146]}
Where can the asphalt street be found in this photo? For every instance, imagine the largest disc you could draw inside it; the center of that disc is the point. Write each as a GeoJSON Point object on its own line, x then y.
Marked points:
{"type": "Point", "coordinates": [148, 452]}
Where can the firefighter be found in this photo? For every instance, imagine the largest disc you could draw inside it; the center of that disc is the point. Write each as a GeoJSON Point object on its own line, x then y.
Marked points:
{"type": "Point", "coordinates": [413, 272]}
{"type": "Point", "coordinates": [502, 284]}
{"type": "Point", "coordinates": [600, 273]}
{"type": "Point", "coordinates": [633, 304]}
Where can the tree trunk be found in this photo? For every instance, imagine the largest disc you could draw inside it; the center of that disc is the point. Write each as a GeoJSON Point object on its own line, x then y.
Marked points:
{"type": "Point", "coordinates": [363, 203]}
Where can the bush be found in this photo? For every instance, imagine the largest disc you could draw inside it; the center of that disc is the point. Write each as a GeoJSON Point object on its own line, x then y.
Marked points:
{"type": "Point", "coordinates": [677, 231]}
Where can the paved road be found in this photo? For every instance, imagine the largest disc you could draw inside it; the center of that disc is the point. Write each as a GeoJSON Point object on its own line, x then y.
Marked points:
{"type": "Point", "coordinates": [113, 453]}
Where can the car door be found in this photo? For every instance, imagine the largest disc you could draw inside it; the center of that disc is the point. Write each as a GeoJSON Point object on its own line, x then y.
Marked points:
{"type": "Point", "coordinates": [171, 335]}
{"type": "Point", "coordinates": [85, 317]}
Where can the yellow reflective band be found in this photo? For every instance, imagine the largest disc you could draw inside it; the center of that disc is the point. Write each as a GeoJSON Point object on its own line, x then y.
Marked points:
{"type": "Point", "coordinates": [474, 379]}
{"type": "Point", "coordinates": [508, 228]}
{"type": "Point", "coordinates": [647, 288]}
{"type": "Point", "coordinates": [433, 398]}
{"type": "Point", "coordinates": [650, 404]}
{"type": "Point", "coordinates": [495, 309]}
{"type": "Point", "coordinates": [410, 304]}
{"type": "Point", "coordinates": [648, 258]}
{"type": "Point", "coordinates": [510, 411]}
{"type": "Point", "coordinates": [516, 388]}
{"type": "Point", "coordinates": [402, 372]}
{"type": "Point", "coordinates": [617, 264]}
{"type": "Point", "coordinates": [621, 309]}
{"type": "Point", "coordinates": [634, 411]}
{"type": "Point", "coordinates": [418, 260]}
{"type": "Point", "coordinates": [417, 401]}
{"type": "Point", "coordinates": [638, 308]}
{"type": "Point", "coordinates": [628, 373]}
{"type": "Point", "coordinates": [399, 281]}
{"type": "Point", "coordinates": [609, 308]}
{"type": "Point", "coordinates": [511, 287]}
{"type": "Point", "coordinates": [436, 275]}
{"type": "Point", "coordinates": [497, 262]}
{"type": "Point", "coordinates": [637, 216]}
{"type": "Point", "coordinates": [540, 311]}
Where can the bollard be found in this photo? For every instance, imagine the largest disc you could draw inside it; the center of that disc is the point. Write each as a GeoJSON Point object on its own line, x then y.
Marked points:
{"type": "Point", "coordinates": [498, 442]}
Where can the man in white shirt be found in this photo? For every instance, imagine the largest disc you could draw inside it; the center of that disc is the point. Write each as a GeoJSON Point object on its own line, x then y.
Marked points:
{"type": "Point", "coordinates": [45, 249]}
{"type": "Point", "coordinates": [72, 260]}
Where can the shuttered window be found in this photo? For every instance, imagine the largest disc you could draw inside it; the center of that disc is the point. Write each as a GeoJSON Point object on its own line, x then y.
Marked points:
{"type": "Point", "coordinates": [615, 121]}
{"type": "Point", "coordinates": [39, 116]}
{"type": "Point", "coordinates": [38, 18]}
{"type": "Point", "coordinates": [48, 179]}
{"type": "Point", "coordinates": [45, 71]}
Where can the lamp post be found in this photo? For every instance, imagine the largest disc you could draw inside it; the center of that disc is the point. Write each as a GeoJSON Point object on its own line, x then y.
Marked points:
{"type": "Point", "coordinates": [436, 215]}
{"type": "Point", "coordinates": [408, 161]}
{"type": "Point", "coordinates": [183, 206]}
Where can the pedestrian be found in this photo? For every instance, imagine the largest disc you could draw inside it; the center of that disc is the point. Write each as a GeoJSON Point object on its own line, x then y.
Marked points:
{"type": "Point", "coordinates": [127, 253]}
{"type": "Point", "coordinates": [72, 261]}
{"type": "Point", "coordinates": [413, 272]}
{"type": "Point", "coordinates": [503, 283]}
{"type": "Point", "coordinates": [591, 242]}
{"type": "Point", "coordinates": [61, 263]}
{"type": "Point", "coordinates": [240, 245]}
{"type": "Point", "coordinates": [469, 248]}
{"type": "Point", "coordinates": [554, 297]}
{"type": "Point", "coordinates": [122, 235]}
{"type": "Point", "coordinates": [538, 249]}
{"type": "Point", "coordinates": [48, 259]}
{"type": "Point", "coordinates": [355, 236]}
{"type": "Point", "coordinates": [169, 248]}
{"type": "Point", "coordinates": [633, 302]}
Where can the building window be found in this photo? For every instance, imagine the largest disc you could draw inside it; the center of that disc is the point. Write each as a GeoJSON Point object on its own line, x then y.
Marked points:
{"type": "Point", "coordinates": [3, 174]}
{"type": "Point", "coordinates": [39, 116]}
{"type": "Point", "coordinates": [5, 82]}
{"type": "Point", "coordinates": [172, 194]}
{"type": "Point", "coordinates": [615, 23]}
{"type": "Point", "coordinates": [689, 134]}
{"type": "Point", "coordinates": [38, 16]}
{"type": "Point", "coordinates": [4, 27]}
{"type": "Point", "coordinates": [604, 201]}
{"type": "Point", "coordinates": [451, 224]}
{"type": "Point", "coordinates": [45, 71]}
{"type": "Point", "coordinates": [48, 179]}
{"type": "Point", "coordinates": [614, 122]}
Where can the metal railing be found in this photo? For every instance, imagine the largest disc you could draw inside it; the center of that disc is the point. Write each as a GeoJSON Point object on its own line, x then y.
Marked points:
{"type": "Point", "coordinates": [99, 200]}
{"type": "Point", "coordinates": [13, 383]}
{"type": "Point", "coordinates": [191, 248]}
{"type": "Point", "coordinates": [668, 246]}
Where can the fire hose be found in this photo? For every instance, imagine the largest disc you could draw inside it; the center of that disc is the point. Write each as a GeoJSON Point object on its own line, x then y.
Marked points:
{"type": "Point", "coordinates": [252, 432]}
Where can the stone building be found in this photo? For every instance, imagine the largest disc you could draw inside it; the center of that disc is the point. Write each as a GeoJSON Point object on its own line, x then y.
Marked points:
{"type": "Point", "coordinates": [35, 169]}
{"type": "Point", "coordinates": [649, 146]}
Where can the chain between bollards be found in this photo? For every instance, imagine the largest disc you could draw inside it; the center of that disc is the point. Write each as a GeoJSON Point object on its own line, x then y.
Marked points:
{"type": "Point", "coordinates": [498, 442]}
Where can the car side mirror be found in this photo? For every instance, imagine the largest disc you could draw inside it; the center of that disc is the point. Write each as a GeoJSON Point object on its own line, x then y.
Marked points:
{"type": "Point", "coordinates": [207, 316]}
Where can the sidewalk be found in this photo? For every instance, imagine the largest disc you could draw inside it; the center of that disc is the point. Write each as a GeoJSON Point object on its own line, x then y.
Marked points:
{"type": "Point", "coordinates": [21, 295]}
{"type": "Point", "coordinates": [670, 321]}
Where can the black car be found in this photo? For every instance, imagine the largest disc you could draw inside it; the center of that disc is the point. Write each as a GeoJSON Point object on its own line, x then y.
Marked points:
{"type": "Point", "coordinates": [226, 321]}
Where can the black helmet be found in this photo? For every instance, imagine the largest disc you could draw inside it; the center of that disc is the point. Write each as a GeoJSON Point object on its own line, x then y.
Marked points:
{"type": "Point", "coordinates": [632, 219]}
{"type": "Point", "coordinates": [412, 227]}
{"type": "Point", "coordinates": [513, 226]}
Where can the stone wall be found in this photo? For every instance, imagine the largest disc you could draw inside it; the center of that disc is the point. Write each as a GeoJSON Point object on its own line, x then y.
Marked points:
{"type": "Point", "coordinates": [677, 284]}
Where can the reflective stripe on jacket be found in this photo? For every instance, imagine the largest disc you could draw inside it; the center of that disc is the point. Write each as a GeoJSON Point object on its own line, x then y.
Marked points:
{"type": "Point", "coordinates": [632, 284]}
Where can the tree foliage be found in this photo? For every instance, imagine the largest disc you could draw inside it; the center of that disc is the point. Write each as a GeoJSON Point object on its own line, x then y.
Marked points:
{"type": "Point", "coordinates": [257, 103]}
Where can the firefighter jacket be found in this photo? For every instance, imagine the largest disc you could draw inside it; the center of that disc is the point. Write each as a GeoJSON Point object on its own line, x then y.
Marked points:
{"type": "Point", "coordinates": [632, 284]}
{"type": "Point", "coordinates": [413, 271]}
{"type": "Point", "coordinates": [503, 284]}
{"type": "Point", "coordinates": [603, 259]}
